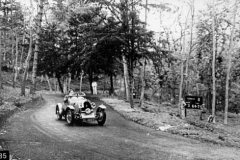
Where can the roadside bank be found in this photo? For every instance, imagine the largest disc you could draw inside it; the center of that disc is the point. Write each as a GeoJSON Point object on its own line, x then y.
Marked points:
{"type": "Point", "coordinates": [11, 103]}
{"type": "Point", "coordinates": [164, 118]}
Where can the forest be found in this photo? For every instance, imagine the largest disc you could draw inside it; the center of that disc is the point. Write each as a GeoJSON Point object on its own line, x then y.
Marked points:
{"type": "Point", "coordinates": [197, 54]}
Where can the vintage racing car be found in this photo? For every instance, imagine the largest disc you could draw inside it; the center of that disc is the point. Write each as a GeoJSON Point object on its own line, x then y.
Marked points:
{"type": "Point", "coordinates": [77, 107]}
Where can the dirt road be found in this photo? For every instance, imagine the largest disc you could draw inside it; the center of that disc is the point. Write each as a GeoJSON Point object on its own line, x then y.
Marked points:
{"type": "Point", "coordinates": [36, 134]}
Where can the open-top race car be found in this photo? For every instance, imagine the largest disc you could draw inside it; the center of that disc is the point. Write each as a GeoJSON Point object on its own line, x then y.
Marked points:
{"type": "Point", "coordinates": [77, 107]}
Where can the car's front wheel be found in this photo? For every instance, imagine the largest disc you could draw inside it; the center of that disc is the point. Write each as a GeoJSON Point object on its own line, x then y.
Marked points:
{"type": "Point", "coordinates": [101, 117]}
{"type": "Point", "coordinates": [70, 117]}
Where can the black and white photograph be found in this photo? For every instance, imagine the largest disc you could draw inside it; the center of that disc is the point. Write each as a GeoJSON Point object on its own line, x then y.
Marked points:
{"type": "Point", "coordinates": [119, 79]}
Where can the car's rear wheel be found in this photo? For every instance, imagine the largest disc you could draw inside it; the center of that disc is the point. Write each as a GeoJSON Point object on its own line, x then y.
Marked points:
{"type": "Point", "coordinates": [59, 115]}
{"type": "Point", "coordinates": [101, 117]}
{"type": "Point", "coordinates": [70, 117]}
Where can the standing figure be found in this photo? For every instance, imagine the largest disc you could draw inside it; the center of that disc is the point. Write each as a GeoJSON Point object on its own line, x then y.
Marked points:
{"type": "Point", "coordinates": [94, 86]}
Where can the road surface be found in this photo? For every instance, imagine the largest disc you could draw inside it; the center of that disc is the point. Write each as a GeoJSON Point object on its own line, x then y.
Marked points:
{"type": "Point", "coordinates": [36, 134]}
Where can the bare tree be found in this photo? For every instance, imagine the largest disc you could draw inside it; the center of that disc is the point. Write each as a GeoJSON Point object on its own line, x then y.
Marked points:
{"type": "Point", "coordinates": [213, 63]}
{"type": "Point", "coordinates": [28, 55]}
{"type": "Point", "coordinates": [36, 51]}
{"type": "Point", "coordinates": [12, 46]}
{"type": "Point", "coordinates": [183, 38]}
{"type": "Point", "coordinates": [143, 65]}
{"type": "Point", "coordinates": [190, 44]}
{"type": "Point", "coordinates": [230, 52]}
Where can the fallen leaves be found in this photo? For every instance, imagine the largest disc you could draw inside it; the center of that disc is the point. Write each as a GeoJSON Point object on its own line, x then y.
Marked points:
{"type": "Point", "coordinates": [164, 118]}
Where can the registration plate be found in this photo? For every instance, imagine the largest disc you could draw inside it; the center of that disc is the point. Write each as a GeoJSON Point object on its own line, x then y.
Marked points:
{"type": "Point", "coordinates": [88, 116]}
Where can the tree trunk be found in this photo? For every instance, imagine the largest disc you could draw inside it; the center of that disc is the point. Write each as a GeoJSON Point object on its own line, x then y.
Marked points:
{"type": "Point", "coordinates": [90, 78]}
{"type": "Point", "coordinates": [80, 85]}
{"type": "Point", "coordinates": [49, 84]}
{"type": "Point", "coordinates": [104, 84]}
{"type": "Point", "coordinates": [69, 81]}
{"type": "Point", "coordinates": [173, 95]}
{"type": "Point", "coordinates": [12, 37]}
{"type": "Point", "coordinates": [125, 17]}
{"type": "Point", "coordinates": [131, 84]}
{"type": "Point", "coordinates": [25, 74]}
{"type": "Point", "coordinates": [111, 89]}
{"type": "Point", "coordinates": [1, 80]}
{"type": "Point", "coordinates": [36, 51]}
{"type": "Point", "coordinates": [42, 77]}
{"type": "Point", "coordinates": [59, 83]}
{"type": "Point", "coordinates": [65, 83]}
{"type": "Point", "coordinates": [190, 47]}
{"type": "Point", "coordinates": [197, 88]}
{"type": "Point", "coordinates": [209, 99]}
{"type": "Point", "coordinates": [16, 60]}
{"type": "Point", "coordinates": [55, 82]}
{"type": "Point", "coordinates": [4, 46]}
{"type": "Point", "coordinates": [213, 65]}
{"type": "Point", "coordinates": [5, 38]}
{"type": "Point", "coordinates": [231, 50]}
{"type": "Point", "coordinates": [125, 70]}
{"type": "Point", "coordinates": [130, 58]}
{"type": "Point", "coordinates": [181, 110]}
{"type": "Point", "coordinates": [12, 64]}
{"type": "Point", "coordinates": [121, 87]}
{"type": "Point", "coordinates": [142, 83]}
{"type": "Point", "coordinates": [143, 66]}
{"type": "Point", "coordinates": [180, 92]}
{"type": "Point", "coordinates": [22, 52]}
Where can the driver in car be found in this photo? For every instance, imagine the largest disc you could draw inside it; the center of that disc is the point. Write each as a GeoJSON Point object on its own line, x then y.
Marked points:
{"type": "Point", "coordinates": [69, 95]}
